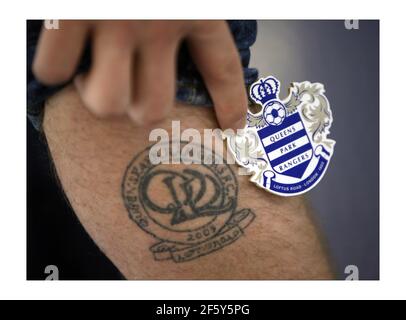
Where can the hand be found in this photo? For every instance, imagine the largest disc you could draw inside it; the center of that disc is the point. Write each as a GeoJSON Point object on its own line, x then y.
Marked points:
{"type": "Point", "coordinates": [131, 60]}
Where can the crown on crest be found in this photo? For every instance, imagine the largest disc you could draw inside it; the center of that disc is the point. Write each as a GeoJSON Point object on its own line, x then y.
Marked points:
{"type": "Point", "coordinates": [264, 90]}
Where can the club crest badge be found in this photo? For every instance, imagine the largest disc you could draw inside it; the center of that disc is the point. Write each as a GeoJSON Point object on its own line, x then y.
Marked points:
{"type": "Point", "coordinates": [285, 146]}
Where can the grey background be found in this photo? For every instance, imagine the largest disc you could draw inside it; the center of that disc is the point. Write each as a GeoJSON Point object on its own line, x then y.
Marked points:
{"type": "Point", "coordinates": [346, 201]}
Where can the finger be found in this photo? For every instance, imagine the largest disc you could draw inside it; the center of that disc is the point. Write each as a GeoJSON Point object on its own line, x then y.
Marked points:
{"type": "Point", "coordinates": [106, 89]}
{"type": "Point", "coordinates": [154, 84]}
{"type": "Point", "coordinates": [213, 50]}
{"type": "Point", "coordinates": [59, 51]}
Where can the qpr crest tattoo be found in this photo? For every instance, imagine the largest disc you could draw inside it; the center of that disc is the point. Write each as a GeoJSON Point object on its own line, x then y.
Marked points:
{"type": "Point", "coordinates": [191, 209]}
{"type": "Point", "coordinates": [285, 146]}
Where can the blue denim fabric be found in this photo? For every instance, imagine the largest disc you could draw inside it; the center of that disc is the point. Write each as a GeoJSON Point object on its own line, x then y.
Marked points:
{"type": "Point", "coordinates": [190, 86]}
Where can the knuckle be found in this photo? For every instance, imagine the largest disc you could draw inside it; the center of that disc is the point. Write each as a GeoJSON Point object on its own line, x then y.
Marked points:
{"type": "Point", "coordinates": [122, 40]}
{"type": "Point", "coordinates": [121, 34]}
{"type": "Point", "coordinates": [163, 33]}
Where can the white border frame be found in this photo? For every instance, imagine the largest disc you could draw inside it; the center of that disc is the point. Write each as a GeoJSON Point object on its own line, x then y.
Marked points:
{"type": "Point", "coordinates": [13, 166]}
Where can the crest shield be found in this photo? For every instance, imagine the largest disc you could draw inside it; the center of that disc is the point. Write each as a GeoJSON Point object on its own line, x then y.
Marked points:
{"type": "Point", "coordinates": [285, 146]}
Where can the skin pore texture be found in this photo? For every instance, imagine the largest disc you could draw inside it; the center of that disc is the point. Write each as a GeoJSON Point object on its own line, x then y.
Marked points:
{"type": "Point", "coordinates": [175, 221]}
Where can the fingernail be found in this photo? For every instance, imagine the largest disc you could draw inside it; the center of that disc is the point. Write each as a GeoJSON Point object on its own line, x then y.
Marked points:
{"type": "Point", "coordinates": [136, 114]}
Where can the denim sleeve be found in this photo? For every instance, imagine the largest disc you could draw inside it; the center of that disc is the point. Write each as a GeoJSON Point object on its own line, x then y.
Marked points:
{"type": "Point", "coordinates": [190, 87]}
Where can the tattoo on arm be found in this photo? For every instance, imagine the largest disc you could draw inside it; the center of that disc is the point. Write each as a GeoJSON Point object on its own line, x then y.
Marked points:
{"type": "Point", "coordinates": [190, 209]}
